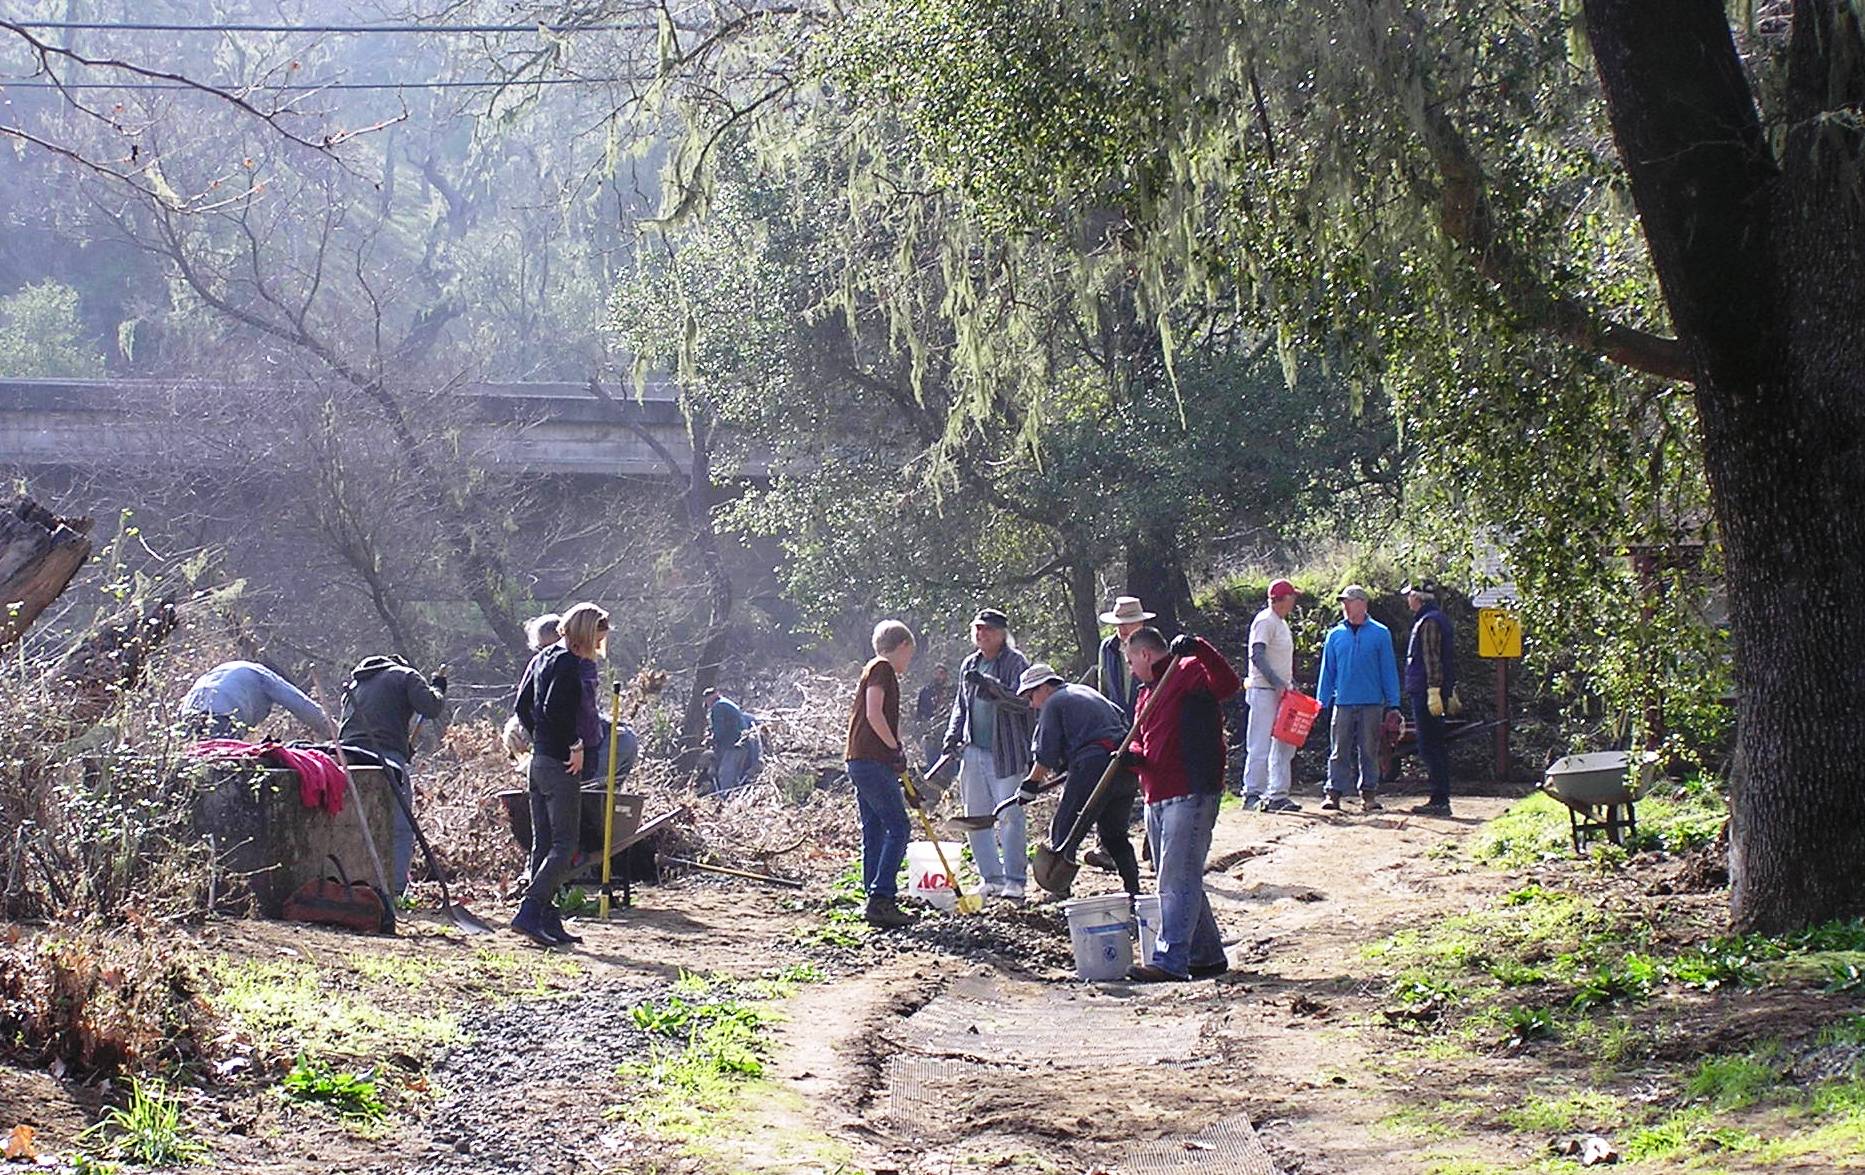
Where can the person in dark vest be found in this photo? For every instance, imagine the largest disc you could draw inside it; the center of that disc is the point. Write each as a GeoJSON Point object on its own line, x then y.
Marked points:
{"type": "Point", "coordinates": [380, 700]}
{"type": "Point", "coordinates": [1116, 681]}
{"type": "Point", "coordinates": [1430, 688]}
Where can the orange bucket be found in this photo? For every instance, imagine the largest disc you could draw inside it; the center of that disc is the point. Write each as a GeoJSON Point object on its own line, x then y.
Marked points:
{"type": "Point", "coordinates": [1295, 717]}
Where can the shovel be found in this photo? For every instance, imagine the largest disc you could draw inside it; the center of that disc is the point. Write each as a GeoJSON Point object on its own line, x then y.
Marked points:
{"type": "Point", "coordinates": [966, 824]}
{"type": "Point", "coordinates": [968, 903]}
{"type": "Point", "coordinates": [1055, 867]}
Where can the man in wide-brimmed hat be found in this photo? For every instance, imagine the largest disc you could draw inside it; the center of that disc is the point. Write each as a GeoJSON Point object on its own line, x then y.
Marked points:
{"type": "Point", "coordinates": [990, 724]}
{"type": "Point", "coordinates": [1118, 685]}
{"type": "Point", "coordinates": [1078, 731]}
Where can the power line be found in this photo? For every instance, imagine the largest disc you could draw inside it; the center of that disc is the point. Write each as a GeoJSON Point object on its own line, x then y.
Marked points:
{"type": "Point", "coordinates": [486, 83]}
{"type": "Point", "coordinates": [142, 27]}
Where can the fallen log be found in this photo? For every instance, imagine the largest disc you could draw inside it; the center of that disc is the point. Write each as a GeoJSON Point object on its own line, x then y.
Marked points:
{"type": "Point", "coordinates": [39, 554]}
{"type": "Point", "coordinates": [112, 658]}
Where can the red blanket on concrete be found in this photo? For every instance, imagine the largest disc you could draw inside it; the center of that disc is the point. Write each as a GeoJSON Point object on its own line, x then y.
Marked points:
{"type": "Point", "coordinates": [321, 782]}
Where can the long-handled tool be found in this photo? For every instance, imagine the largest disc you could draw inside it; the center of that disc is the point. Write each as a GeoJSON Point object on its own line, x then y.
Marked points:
{"type": "Point", "coordinates": [968, 903]}
{"type": "Point", "coordinates": [356, 800]}
{"type": "Point", "coordinates": [1055, 867]}
{"type": "Point", "coordinates": [608, 806]}
{"type": "Point", "coordinates": [965, 824]}
{"type": "Point", "coordinates": [462, 917]}
{"type": "Point", "coordinates": [767, 878]}
{"type": "Point", "coordinates": [362, 818]}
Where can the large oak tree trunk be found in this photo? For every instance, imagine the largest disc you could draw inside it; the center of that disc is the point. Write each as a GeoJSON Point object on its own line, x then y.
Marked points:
{"type": "Point", "coordinates": [39, 554]}
{"type": "Point", "coordinates": [1762, 262]}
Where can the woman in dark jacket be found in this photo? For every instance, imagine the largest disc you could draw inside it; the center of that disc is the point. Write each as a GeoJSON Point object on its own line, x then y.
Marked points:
{"type": "Point", "coordinates": [556, 706]}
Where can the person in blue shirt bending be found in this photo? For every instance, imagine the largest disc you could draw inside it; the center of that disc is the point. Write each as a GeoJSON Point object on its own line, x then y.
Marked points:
{"type": "Point", "coordinates": [1360, 680]}
{"type": "Point", "coordinates": [232, 698]}
{"type": "Point", "coordinates": [735, 746]}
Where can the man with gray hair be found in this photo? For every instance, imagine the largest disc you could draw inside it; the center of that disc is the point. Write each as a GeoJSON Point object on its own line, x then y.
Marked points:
{"type": "Point", "coordinates": [990, 724]}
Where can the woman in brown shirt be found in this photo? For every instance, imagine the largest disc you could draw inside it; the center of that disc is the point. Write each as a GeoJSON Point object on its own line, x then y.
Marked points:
{"type": "Point", "coordinates": [876, 758]}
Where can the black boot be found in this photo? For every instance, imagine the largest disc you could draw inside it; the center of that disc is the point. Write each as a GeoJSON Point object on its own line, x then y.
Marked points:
{"type": "Point", "coordinates": [529, 922]}
{"type": "Point", "coordinates": [887, 914]}
{"type": "Point", "coordinates": [553, 922]}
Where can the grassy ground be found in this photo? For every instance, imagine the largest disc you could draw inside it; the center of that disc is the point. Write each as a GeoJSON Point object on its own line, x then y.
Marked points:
{"type": "Point", "coordinates": [1590, 999]}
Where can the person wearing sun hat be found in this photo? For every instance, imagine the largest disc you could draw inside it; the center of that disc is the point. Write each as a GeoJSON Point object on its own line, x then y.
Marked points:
{"type": "Point", "coordinates": [989, 732]}
{"type": "Point", "coordinates": [1118, 685]}
{"type": "Point", "coordinates": [1267, 760]}
{"type": "Point", "coordinates": [1360, 680]}
{"type": "Point", "coordinates": [1078, 731]}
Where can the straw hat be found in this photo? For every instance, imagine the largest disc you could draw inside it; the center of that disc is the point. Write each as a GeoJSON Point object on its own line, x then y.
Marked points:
{"type": "Point", "coordinates": [1127, 610]}
{"type": "Point", "coordinates": [1037, 674]}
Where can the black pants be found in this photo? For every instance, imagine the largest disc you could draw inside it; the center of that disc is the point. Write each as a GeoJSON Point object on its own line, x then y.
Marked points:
{"type": "Point", "coordinates": [1111, 823]}
{"type": "Point", "coordinates": [556, 826]}
{"type": "Point", "coordinates": [1434, 749]}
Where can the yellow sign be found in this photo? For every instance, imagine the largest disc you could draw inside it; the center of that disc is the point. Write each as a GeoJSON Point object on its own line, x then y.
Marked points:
{"type": "Point", "coordinates": [1498, 633]}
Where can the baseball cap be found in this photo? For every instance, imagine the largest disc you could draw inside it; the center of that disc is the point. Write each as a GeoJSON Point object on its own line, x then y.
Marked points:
{"type": "Point", "coordinates": [991, 618]}
{"type": "Point", "coordinates": [1281, 588]}
{"type": "Point", "coordinates": [1354, 591]}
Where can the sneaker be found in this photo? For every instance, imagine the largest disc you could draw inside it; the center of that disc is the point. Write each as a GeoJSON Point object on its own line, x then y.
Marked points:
{"type": "Point", "coordinates": [886, 914]}
{"type": "Point", "coordinates": [991, 889]}
{"type": "Point", "coordinates": [1011, 892]}
{"type": "Point", "coordinates": [1252, 803]}
{"type": "Point", "coordinates": [1431, 809]}
{"type": "Point", "coordinates": [1099, 860]}
{"type": "Point", "coordinates": [1372, 805]}
{"type": "Point", "coordinates": [1147, 973]}
{"type": "Point", "coordinates": [1331, 804]}
{"type": "Point", "coordinates": [1282, 804]}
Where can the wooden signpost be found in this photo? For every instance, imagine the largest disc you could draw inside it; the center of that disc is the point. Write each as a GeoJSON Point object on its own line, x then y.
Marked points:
{"type": "Point", "coordinates": [1499, 638]}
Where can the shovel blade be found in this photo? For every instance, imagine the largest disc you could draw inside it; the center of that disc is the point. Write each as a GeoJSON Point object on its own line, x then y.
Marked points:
{"type": "Point", "coordinates": [1053, 871]}
{"type": "Point", "coordinates": [960, 825]}
{"type": "Point", "coordinates": [970, 903]}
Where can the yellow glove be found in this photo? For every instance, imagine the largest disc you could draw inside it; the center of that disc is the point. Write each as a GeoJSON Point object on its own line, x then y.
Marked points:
{"type": "Point", "coordinates": [1455, 705]}
{"type": "Point", "coordinates": [1434, 701]}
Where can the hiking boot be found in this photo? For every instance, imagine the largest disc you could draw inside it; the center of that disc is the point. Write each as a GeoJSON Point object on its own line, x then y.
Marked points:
{"type": "Point", "coordinates": [1431, 809]}
{"type": "Point", "coordinates": [1099, 860]}
{"type": "Point", "coordinates": [1252, 803]}
{"type": "Point", "coordinates": [529, 921]}
{"type": "Point", "coordinates": [1372, 805]}
{"type": "Point", "coordinates": [1331, 804]}
{"type": "Point", "coordinates": [1282, 804]}
{"type": "Point", "coordinates": [1147, 973]}
{"type": "Point", "coordinates": [1210, 970]}
{"type": "Point", "coordinates": [886, 914]}
{"type": "Point", "coordinates": [553, 924]}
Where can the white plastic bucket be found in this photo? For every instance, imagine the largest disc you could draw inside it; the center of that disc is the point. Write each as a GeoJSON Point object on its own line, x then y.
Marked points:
{"type": "Point", "coordinates": [1097, 929]}
{"type": "Point", "coordinates": [926, 877]}
{"type": "Point", "coordinates": [1146, 908]}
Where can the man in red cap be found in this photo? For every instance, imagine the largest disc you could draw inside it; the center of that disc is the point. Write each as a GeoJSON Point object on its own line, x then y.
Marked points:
{"type": "Point", "coordinates": [1272, 672]}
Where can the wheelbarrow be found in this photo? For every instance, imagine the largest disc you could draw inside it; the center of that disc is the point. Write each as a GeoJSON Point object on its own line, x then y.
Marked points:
{"type": "Point", "coordinates": [629, 831]}
{"type": "Point", "coordinates": [1599, 790]}
{"type": "Point", "coordinates": [1398, 738]}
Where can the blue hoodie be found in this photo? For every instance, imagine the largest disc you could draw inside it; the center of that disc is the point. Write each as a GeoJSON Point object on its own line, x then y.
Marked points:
{"type": "Point", "coordinates": [1358, 666]}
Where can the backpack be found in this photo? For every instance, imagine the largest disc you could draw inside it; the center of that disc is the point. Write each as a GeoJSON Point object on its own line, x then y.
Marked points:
{"type": "Point", "coordinates": [338, 901]}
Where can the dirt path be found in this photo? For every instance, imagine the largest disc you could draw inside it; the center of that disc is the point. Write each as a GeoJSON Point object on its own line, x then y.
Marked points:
{"type": "Point", "coordinates": [961, 1046]}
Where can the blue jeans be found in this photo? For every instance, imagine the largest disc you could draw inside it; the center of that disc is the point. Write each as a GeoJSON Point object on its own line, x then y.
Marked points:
{"type": "Point", "coordinates": [884, 828]}
{"type": "Point", "coordinates": [1433, 748]}
{"type": "Point", "coordinates": [1353, 759]}
{"type": "Point", "coordinates": [739, 764]}
{"type": "Point", "coordinates": [1179, 831]}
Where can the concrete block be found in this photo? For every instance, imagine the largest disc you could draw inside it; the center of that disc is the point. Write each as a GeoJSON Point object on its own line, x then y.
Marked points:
{"type": "Point", "coordinates": [266, 836]}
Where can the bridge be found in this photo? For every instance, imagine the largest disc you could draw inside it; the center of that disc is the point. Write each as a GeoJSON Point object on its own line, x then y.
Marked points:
{"type": "Point", "coordinates": [542, 428]}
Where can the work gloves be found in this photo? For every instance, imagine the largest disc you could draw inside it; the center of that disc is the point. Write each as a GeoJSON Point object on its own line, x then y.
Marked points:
{"type": "Point", "coordinates": [439, 682]}
{"type": "Point", "coordinates": [1434, 701]}
{"type": "Point", "coordinates": [1453, 705]}
{"type": "Point", "coordinates": [976, 677]}
{"type": "Point", "coordinates": [1184, 645]}
{"type": "Point", "coordinates": [1131, 759]}
{"type": "Point", "coordinates": [1028, 792]}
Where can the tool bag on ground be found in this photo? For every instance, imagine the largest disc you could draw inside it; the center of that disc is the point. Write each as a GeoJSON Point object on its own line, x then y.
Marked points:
{"type": "Point", "coordinates": [338, 901]}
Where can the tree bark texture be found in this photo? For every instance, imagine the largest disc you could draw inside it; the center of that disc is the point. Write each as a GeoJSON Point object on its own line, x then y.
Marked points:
{"type": "Point", "coordinates": [1762, 262]}
{"type": "Point", "coordinates": [1154, 575]}
{"type": "Point", "coordinates": [39, 555]}
{"type": "Point", "coordinates": [1084, 604]}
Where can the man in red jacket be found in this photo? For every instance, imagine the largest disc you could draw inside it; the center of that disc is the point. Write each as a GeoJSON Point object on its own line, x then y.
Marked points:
{"type": "Point", "coordinates": [1179, 755]}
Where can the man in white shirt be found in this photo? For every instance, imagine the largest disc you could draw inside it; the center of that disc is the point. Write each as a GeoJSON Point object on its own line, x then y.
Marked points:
{"type": "Point", "coordinates": [1272, 672]}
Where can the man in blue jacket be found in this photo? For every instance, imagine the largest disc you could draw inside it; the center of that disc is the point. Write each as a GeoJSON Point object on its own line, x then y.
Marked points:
{"type": "Point", "coordinates": [1360, 680]}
